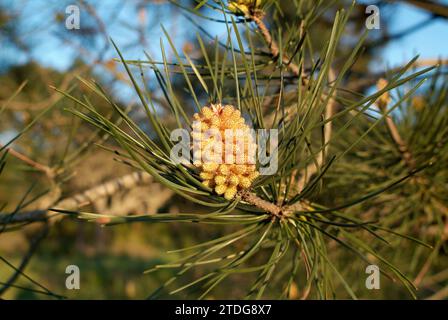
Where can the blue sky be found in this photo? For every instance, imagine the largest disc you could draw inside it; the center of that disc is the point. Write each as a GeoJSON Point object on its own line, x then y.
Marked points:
{"type": "Point", "coordinates": [430, 41]}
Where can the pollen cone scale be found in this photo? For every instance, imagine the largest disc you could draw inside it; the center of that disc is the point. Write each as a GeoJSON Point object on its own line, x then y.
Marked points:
{"type": "Point", "coordinates": [224, 150]}
{"type": "Point", "coordinates": [244, 7]}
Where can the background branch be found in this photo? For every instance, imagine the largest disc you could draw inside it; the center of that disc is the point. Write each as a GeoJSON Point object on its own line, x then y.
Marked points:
{"type": "Point", "coordinates": [71, 203]}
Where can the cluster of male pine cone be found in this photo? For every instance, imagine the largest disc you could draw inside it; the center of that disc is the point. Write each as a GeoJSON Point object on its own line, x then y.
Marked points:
{"type": "Point", "coordinates": [225, 174]}
{"type": "Point", "coordinates": [244, 7]}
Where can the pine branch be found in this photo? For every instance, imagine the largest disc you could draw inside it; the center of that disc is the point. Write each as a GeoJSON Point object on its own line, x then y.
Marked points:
{"type": "Point", "coordinates": [402, 147]}
{"type": "Point", "coordinates": [91, 195]}
{"type": "Point", "coordinates": [34, 164]}
{"type": "Point", "coordinates": [307, 173]}
{"type": "Point", "coordinates": [330, 110]}
{"type": "Point", "coordinates": [276, 211]}
{"type": "Point", "coordinates": [257, 17]}
{"type": "Point", "coordinates": [256, 201]}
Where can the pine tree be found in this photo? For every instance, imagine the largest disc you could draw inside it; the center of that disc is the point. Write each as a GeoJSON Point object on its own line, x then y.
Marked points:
{"type": "Point", "coordinates": [360, 177]}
